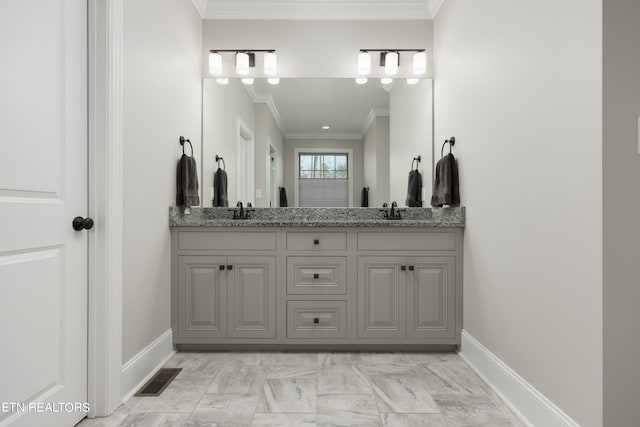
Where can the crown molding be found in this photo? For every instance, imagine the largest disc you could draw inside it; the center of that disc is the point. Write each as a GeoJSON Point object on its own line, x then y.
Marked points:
{"type": "Point", "coordinates": [321, 9]}
{"type": "Point", "coordinates": [373, 113]}
{"type": "Point", "coordinates": [434, 6]}
{"type": "Point", "coordinates": [320, 135]}
{"type": "Point", "coordinates": [201, 6]}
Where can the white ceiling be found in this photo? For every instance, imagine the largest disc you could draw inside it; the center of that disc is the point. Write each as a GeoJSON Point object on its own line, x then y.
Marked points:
{"type": "Point", "coordinates": [318, 9]}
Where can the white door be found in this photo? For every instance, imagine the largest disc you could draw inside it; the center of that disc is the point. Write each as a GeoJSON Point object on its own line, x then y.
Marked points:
{"type": "Point", "coordinates": [43, 186]}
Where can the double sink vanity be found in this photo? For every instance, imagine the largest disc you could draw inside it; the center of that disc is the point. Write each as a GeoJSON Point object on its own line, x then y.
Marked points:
{"type": "Point", "coordinates": [304, 278]}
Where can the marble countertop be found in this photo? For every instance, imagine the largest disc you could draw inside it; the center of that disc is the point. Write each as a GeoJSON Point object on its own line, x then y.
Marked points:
{"type": "Point", "coordinates": [318, 217]}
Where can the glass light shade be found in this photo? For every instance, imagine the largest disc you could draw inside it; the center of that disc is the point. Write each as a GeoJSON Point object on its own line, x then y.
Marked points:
{"type": "Point", "coordinates": [412, 81]}
{"type": "Point", "coordinates": [270, 63]}
{"type": "Point", "coordinates": [361, 80]}
{"type": "Point", "coordinates": [364, 63]}
{"type": "Point", "coordinates": [242, 63]}
{"type": "Point", "coordinates": [273, 80]}
{"type": "Point", "coordinates": [386, 80]}
{"type": "Point", "coordinates": [222, 80]}
{"type": "Point", "coordinates": [247, 80]}
{"type": "Point", "coordinates": [215, 64]}
{"type": "Point", "coordinates": [391, 63]}
{"type": "Point", "coordinates": [420, 63]}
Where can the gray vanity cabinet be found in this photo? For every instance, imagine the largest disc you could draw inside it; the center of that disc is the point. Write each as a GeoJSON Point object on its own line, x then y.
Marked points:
{"type": "Point", "coordinates": [202, 297]}
{"type": "Point", "coordinates": [222, 297]}
{"type": "Point", "coordinates": [406, 297]}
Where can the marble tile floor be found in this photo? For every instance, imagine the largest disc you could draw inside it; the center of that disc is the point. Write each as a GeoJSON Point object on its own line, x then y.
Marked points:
{"type": "Point", "coordinates": [317, 389]}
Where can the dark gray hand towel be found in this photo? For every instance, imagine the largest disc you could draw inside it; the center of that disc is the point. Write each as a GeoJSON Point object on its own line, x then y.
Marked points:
{"type": "Point", "coordinates": [414, 189]}
{"type": "Point", "coordinates": [446, 185]}
{"type": "Point", "coordinates": [187, 182]}
{"type": "Point", "coordinates": [220, 197]}
{"type": "Point", "coordinates": [283, 197]}
{"type": "Point", "coordinates": [364, 198]}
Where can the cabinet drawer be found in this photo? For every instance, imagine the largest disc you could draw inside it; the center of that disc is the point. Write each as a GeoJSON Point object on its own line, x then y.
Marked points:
{"type": "Point", "coordinates": [227, 240]}
{"type": "Point", "coordinates": [316, 319]}
{"type": "Point", "coordinates": [305, 241]}
{"type": "Point", "coordinates": [410, 241]}
{"type": "Point", "coordinates": [316, 275]}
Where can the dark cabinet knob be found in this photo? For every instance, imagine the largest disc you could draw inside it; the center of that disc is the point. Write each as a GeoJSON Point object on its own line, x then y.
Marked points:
{"type": "Point", "coordinates": [403, 267]}
{"type": "Point", "coordinates": [229, 267]}
{"type": "Point", "coordinates": [222, 267]}
{"type": "Point", "coordinates": [316, 275]}
{"type": "Point", "coordinates": [80, 223]}
{"type": "Point", "coordinates": [316, 241]}
{"type": "Point", "coordinates": [316, 320]}
{"type": "Point", "coordinates": [411, 268]}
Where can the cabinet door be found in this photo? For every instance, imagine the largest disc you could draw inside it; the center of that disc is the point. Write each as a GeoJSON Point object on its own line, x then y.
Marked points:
{"type": "Point", "coordinates": [381, 297]}
{"type": "Point", "coordinates": [202, 297]}
{"type": "Point", "coordinates": [431, 297]}
{"type": "Point", "coordinates": [252, 296]}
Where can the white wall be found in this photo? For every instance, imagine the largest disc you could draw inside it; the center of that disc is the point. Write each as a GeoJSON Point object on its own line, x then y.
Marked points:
{"type": "Point", "coordinates": [317, 48]}
{"type": "Point", "coordinates": [162, 92]}
{"type": "Point", "coordinates": [410, 135]}
{"type": "Point", "coordinates": [222, 105]}
{"type": "Point", "coordinates": [376, 161]}
{"type": "Point", "coordinates": [519, 85]}
{"type": "Point", "coordinates": [621, 212]}
{"type": "Point", "coordinates": [289, 156]}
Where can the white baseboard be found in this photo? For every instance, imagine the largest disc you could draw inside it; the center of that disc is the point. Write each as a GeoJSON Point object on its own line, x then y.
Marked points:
{"type": "Point", "coordinates": [533, 408]}
{"type": "Point", "coordinates": [137, 371]}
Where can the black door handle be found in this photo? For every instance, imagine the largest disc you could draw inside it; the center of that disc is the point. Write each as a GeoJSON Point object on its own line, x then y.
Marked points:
{"type": "Point", "coordinates": [403, 267]}
{"type": "Point", "coordinates": [80, 223]}
{"type": "Point", "coordinates": [316, 275]}
{"type": "Point", "coordinates": [229, 267]}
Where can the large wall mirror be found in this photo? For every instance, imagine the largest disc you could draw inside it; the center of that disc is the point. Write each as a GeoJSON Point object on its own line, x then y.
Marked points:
{"type": "Point", "coordinates": [322, 140]}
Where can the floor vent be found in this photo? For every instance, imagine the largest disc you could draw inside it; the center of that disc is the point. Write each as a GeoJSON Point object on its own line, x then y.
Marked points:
{"type": "Point", "coordinates": [156, 385]}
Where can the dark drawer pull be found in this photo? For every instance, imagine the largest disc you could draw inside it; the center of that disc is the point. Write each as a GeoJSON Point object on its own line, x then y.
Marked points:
{"type": "Point", "coordinates": [222, 267]}
{"type": "Point", "coordinates": [316, 320]}
{"type": "Point", "coordinates": [411, 268]}
{"type": "Point", "coordinates": [229, 267]}
{"type": "Point", "coordinates": [403, 267]}
{"type": "Point", "coordinates": [316, 241]}
{"type": "Point", "coordinates": [316, 275]}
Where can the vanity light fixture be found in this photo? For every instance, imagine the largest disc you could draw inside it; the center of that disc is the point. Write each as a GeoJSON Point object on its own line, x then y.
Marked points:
{"type": "Point", "coordinates": [386, 80]}
{"type": "Point", "coordinates": [245, 59]}
{"type": "Point", "coordinates": [390, 61]}
{"type": "Point", "coordinates": [222, 80]}
{"type": "Point", "coordinates": [247, 80]}
{"type": "Point", "coordinates": [361, 80]}
{"type": "Point", "coordinates": [364, 63]}
{"type": "Point", "coordinates": [273, 80]}
{"type": "Point", "coordinates": [215, 63]}
{"type": "Point", "coordinates": [412, 81]}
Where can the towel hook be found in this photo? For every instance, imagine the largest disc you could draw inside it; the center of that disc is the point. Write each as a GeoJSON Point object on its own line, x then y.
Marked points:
{"type": "Point", "coordinates": [417, 161]}
{"type": "Point", "coordinates": [182, 141]}
{"type": "Point", "coordinates": [218, 158]}
{"type": "Point", "coordinates": [451, 141]}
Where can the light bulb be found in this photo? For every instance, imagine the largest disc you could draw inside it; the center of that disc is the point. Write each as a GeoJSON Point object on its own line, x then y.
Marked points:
{"type": "Point", "coordinates": [270, 63]}
{"type": "Point", "coordinates": [215, 63]}
{"type": "Point", "coordinates": [420, 63]}
{"type": "Point", "coordinates": [391, 63]}
{"type": "Point", "coordinates": [361, 80]}
{"type": "Point", "coordinates": [273, 80]}
{"type": "Point", "coordinates": [247, 80]}
{"type": "Point", "coordinates": [364, 63]}
{"type": "Point", "coordinates": [242, 63]}
{"type": "Point", "coordinates": [222, 80]}
{"type": "Point", "coordinates": [386, 80]}
{"type": "Point", "coordinates": [412, 81]}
